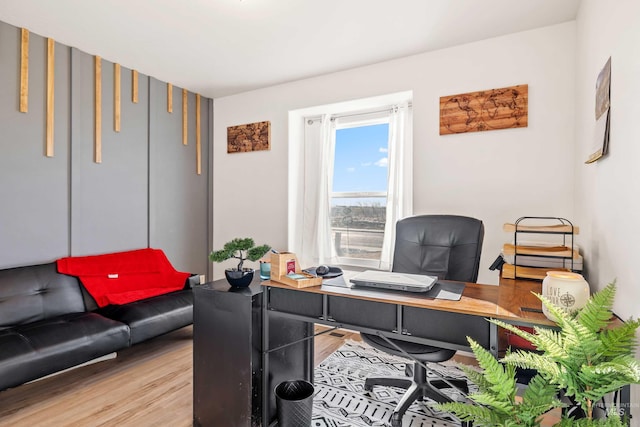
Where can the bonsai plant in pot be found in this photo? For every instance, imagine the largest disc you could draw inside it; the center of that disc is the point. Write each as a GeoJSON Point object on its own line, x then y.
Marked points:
{"type": "Point", "coordinates": [585, 359]}
{"type": "Point", "coordinates": [242, 250]}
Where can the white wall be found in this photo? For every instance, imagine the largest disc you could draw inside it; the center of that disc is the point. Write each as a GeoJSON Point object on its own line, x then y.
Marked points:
{"type": "Point", "coordinates": [608, 191]}
{"type": "Point", "coordinates": [496, 176]}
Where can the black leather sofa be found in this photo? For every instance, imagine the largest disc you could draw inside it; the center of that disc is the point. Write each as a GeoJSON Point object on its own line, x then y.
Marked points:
{"type": "Point", "coordinates": [48, 322]}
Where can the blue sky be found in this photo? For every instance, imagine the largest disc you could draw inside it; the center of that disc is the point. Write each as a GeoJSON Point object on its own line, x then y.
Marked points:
{"type": "Point", "coordinates": [361, 158]}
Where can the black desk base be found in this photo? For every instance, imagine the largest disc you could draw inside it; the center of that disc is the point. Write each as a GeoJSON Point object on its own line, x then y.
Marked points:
{"type": "Point", "coordinates": [227, 355]}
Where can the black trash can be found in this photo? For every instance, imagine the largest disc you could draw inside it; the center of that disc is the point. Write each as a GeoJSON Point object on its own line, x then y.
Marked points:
{"type": "Point", "coordinates": [294, 403]}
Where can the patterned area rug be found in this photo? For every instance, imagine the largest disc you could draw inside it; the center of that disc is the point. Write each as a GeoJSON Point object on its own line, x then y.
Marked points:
{"type": "Point", "coordinates": [341, 401]}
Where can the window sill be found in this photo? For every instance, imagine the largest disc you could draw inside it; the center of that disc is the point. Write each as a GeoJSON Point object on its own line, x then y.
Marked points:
{"type": "Point", "coordinates": [358, 264]}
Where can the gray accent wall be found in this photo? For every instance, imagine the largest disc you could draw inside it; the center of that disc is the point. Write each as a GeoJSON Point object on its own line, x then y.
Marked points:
{"type": "Point", "coordinates": [175, 187]}
{"type": "Point", "coordinates": [34, 189]}
{"type": "Point", "coordinates": [108, 199]}
{"type": "Point", "coordinates": [145, 193]}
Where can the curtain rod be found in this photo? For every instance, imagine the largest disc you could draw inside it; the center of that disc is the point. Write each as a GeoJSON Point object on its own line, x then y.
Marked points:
{"type": "Point", "coordinates": [312, 119]}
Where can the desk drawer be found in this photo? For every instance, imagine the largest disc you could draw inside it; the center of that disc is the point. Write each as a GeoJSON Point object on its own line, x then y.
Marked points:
{"type": "Point", "coordinates": [375, 315]}
{"type": "Point", "coordinates": [446, 326]}
{"type": "Point", "coordinates": [295, 302]}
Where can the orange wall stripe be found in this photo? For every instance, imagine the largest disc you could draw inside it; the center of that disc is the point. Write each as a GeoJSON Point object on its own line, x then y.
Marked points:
{"type": "Point", "coordinates": [24, 70]}
{"type": "Point", "coordinates": [198, 140]}
{"type": "Point", "coordinates": [184, 117]}
{"type": "Point", "coordinates": [134, 86]}
{"type": "Point", "coordinates": [116, 97]}
{"type": "Point", "coordinates": [98, 111]}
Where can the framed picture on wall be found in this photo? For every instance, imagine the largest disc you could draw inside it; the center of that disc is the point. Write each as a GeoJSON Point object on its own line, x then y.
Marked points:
{"type": "Point", "coordinates": [249, 137]}
{"type": "Point", "coordinates": [603, 114]}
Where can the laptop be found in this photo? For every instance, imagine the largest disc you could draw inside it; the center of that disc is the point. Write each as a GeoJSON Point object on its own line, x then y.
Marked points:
{"type": "Point", "coordinates": [396, 281]}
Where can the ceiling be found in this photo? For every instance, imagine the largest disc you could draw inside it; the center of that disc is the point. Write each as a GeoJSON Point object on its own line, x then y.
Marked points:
{"type": "Point", "coordinates": [222, 47]}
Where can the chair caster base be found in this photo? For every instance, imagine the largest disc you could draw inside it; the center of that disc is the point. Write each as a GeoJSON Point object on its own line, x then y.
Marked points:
{"type": "Point", "coordinates": [396, 420]}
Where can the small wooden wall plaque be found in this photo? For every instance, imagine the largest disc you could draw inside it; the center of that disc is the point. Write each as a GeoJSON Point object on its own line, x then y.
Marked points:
{"type": "Point", "coordinates": [249, 137]}
{"type": "Point", "coordinates": [503, 108]}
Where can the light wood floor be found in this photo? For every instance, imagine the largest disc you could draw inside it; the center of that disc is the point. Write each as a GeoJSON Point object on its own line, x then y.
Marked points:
{"type": "Point", "coordinates": [149, 384]}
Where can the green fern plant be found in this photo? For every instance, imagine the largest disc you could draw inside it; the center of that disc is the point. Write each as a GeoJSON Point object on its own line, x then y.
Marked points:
{"type": "Point", "coordinates": [496, 402]}
{"type": "Point", "coordinates": [586, 357]}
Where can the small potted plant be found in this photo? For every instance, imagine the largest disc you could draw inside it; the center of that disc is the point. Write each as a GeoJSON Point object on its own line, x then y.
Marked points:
{"type": "Point", "coordinates": [242, 250]}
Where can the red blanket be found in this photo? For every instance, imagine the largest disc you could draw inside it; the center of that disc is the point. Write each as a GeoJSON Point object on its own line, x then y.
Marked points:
{"type": "Point", "coordinates": [124, 277]}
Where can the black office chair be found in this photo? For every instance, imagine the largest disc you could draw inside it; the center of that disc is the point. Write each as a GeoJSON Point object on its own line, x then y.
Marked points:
{"type": "Point", "coordinates": [447, 246]}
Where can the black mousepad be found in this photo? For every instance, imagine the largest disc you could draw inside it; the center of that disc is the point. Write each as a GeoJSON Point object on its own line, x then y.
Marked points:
{"type": "Point", "coordinates": [446, 289]}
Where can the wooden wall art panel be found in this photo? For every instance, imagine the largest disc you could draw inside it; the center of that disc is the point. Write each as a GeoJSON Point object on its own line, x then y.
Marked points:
{"type": "Point", "coordinates": [249, 137]}
{"type": "Point", "coordinates": [50, 96]}
{"type": "Point", "coordinates": [24, 70]}
{"type": "Point", "coordinates": [169, 98]}
{"type": "Point", "coordinates": [493, 109]}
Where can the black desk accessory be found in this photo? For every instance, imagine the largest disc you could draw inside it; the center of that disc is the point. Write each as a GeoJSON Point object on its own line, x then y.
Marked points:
{"type": "Point", "coordinates": [324, 271]}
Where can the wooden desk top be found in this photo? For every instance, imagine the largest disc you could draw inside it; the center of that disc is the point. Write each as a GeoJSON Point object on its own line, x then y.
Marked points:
{"type": "Point", "coordinates": [499, 302]}
{"type": "Point", "coordinates": [516, 295]}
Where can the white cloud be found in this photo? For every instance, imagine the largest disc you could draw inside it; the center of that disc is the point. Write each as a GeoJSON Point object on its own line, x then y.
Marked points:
{"type": "Point", "coordinates": [383, 162]}
{"type": "Point", "coordinates": [351, 169]}
{"type": "Point", "coordinates": [366, 164]}
{"type": "Point", "coordinates": [383, 150]}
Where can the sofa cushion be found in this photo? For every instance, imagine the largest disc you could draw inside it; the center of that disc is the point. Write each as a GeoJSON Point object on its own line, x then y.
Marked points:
{"type": "Point", "coordinates": [31, 351]}
{"type": "Point", "coordinates": [153, 316]}
{"type": "Point", "coordinates": [37, 292]}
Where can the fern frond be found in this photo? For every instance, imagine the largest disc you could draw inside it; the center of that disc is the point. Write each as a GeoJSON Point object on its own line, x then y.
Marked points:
{"type": "Point", "coordinates": [551, 342]}
{"type": "Point", "coordinates": [620, 340]}
{"type": "Point", "coordinates": [580, 342]}
{"type": "Point", "coordinates": [501, 378]}
{"type": "Point", "coordinates": [544, 339]}
{"type": "Point", "coordinates": [476, 377]}
{"type": "Point", "coordinates": [596, 314]}
{"type": "Point", "coordinates": [539, 392]}
{"type": "Point", "coordinates": [486, 361]}
{"type": "Point", "coordinates": [508, 326]}
{"type": "Point", "coordinates": [480, 416]}
{"type": "Point", "coordinates": [624, 368]}
{"type": "Point", "coordinates": [538, 398]}
{"type": "Point", "coordinates": [496, 403]}
{"type": "Point", "coordinates": [506, 388]}
{"type": "Point", "coordinates": [582, 352]}
{"type": "Point", "coordinates": [528, 360]}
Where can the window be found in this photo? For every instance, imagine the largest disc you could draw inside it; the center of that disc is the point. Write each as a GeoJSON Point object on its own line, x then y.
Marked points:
{"type": "Point", "coordinates": [359, 193]}
{"type": "Point", "coordinates": [350, 180]}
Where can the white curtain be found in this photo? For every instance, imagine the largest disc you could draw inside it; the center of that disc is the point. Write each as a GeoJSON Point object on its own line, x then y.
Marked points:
{"type": "Point", "coordinates": [313, 164]}
{"type": "Point", "coordinates": [400, 178]}
{"type": "Point", "coordinates": [315, 246]}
